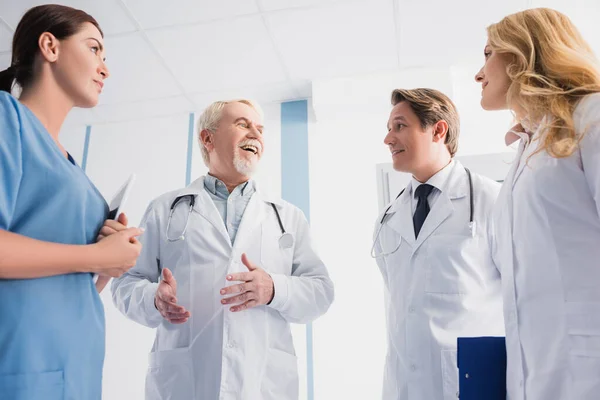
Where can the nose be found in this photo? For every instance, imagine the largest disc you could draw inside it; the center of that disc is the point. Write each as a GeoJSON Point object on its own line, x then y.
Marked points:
{"type": "Point", "coordinates": [388, 140]}
{"type": "Point", "coordinates": [479, 76]}
{"type": "Point", "coordinates": [103, 70]}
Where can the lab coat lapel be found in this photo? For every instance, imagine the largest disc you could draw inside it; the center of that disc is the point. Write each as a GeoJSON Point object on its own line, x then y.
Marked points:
{"type": "Point", "coordinates": [456, 187]}
{"type": "Point", "coordinates": [206, 207]}
{"type": "Point", "coordinates": [251, 222]}
{"type": "Point", "coordinates": [400, 219]}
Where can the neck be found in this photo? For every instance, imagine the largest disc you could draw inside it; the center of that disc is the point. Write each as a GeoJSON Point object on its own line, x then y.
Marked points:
{"type": "Point", "coordinates": [231, 182]}
{"type": "Point", "coordinates": [49, 104]}
{"type": "Point", "coordinates": [424, 174]}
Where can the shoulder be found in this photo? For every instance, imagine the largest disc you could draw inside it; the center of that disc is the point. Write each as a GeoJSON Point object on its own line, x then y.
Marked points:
{"type": "Point", "coordinates": [587, 112]}
{"type": "Point", "coordinates": [485, 187]}
{"type": "Point", "coordinates": [9, 108]}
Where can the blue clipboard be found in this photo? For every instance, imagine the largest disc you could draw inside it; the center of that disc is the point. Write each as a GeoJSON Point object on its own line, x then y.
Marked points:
{"type": "Point", "coordinates": [482, 368]}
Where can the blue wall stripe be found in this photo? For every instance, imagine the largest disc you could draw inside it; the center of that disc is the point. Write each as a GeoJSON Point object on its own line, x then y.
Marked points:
{"type": "Point", "coordinates": [190, 146]}
{"type": "Point", "coordinates": [295, 188]}
{"type": "Point", "coordinates": [86, 147]}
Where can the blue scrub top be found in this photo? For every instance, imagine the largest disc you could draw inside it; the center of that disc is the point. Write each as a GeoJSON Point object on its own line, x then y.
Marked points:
{"type": "Point", "coordinates": [51, 329]}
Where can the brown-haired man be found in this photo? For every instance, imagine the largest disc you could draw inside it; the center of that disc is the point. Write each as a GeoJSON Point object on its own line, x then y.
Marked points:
{"type": "Point", "coordinates": [431, 247]}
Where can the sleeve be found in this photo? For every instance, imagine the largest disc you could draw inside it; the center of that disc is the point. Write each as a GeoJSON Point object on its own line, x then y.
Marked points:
{"type": "Point", "coordinates": [590, 147]}
{"type": "Point", "coordinates": [133, 292]}
{"type": "Point", "coordinates": [308, 292]}
{"type": "Point", "coordinates": [11, 161]}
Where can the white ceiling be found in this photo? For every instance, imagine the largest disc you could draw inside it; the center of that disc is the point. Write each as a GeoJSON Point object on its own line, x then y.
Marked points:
{"type": "Point", "coordinates": [176, 56]}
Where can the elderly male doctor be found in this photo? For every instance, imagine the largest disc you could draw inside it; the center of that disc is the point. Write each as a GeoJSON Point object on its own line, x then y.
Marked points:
{"type": "Point", "coordinates": [225, 275]}
{"type": "Point", "coordinates": [440, 282]}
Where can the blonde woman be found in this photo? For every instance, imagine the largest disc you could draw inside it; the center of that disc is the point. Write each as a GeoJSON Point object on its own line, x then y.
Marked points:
{"type": "Point", "coordinates": [546, 224]}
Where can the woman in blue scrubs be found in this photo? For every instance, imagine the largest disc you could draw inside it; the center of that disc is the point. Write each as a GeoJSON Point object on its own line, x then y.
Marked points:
{"type": "Point", "coordinates": [51, 316]}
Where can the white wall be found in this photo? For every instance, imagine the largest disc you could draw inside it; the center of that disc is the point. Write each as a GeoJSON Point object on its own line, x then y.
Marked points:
{"type": "Point", "coordinates": [344, 149]}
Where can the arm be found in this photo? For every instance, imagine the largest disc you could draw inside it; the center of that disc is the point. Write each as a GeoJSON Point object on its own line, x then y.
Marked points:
{"type": "Point", "coordinates": [308, 292]}
{"type": "Point", "coordinates": [590, 149]}
{"type": "Point", "coordinates": [133, 293]}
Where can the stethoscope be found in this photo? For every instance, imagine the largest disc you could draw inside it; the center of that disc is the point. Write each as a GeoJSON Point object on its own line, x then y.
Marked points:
{"type": "Point", "coordinates": [472, 225]}
{"type": "Point", "coordinates": [286, 240]}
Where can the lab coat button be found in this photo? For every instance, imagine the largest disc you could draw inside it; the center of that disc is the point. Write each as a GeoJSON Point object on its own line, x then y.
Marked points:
{"type": "Point", "coordinates": [412, 309]}
{"type": "Point", "coordinates": [413, 367]}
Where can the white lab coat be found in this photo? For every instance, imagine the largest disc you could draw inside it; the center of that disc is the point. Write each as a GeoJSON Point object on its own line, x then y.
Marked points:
{"type": "Point", "coordinates": [546, 242]}
{"type": "Point", "coordinates": [440, 287]}
{"type": "Point", "coordinates": [219, 354]}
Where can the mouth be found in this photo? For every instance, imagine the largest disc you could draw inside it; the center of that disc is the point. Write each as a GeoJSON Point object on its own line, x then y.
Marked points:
{"type": "Point", "coordinates": [398, 151]}
{"type": "Point", "coordinates": [99, 84]}
{"type": "Point", "coordinates": [250, 148]}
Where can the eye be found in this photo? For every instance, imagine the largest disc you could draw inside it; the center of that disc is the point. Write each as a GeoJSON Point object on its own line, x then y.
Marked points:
{"type": "Point", "coordinates": [399, 126]}
{"type": "Point", "coordinates": [243, 125]}
{"type": "Point", "coordinates": [95, 49]}
{"type": "Point", "coordinates": [487, 53]}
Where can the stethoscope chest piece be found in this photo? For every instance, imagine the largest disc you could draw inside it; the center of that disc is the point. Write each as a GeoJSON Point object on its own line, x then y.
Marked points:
{"type": "Point", "coordinates": [286, 241]}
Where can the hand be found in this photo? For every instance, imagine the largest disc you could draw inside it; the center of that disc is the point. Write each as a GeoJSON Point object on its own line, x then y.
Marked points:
{"type": "Point", "coordinates": [256, 290]}
{"type": "Point", "coordinates": [111, 226]}
{"type": "Point", "coordinates": [117, 253]}
{"type": "Point", "coordinates": [165, 300]}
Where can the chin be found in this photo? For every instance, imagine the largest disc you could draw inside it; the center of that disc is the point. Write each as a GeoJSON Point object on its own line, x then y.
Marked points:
{"type": "Point", "coordinates": [87, 102]}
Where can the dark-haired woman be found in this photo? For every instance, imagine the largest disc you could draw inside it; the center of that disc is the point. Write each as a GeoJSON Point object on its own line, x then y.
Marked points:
{"type": "Point", "coordinates": [51, 317]}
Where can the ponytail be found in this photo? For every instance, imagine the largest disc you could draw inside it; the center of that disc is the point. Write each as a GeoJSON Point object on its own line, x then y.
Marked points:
{"type": "Point", "coordinates": [7, 77]}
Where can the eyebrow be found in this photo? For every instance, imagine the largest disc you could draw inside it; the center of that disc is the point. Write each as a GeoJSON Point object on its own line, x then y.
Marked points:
{"type": "Point", "coordinates": [97, 41]}
{"type": "Point", "coordinates": [247, 120]}
{"type": "Point", "coordinates": [398, 118]}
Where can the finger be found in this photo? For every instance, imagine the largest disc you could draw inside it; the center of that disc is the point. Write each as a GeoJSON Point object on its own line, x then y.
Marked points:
{"type": "Point", "coordinates": [247, 263]}
{"type": "Point", "coordinates": [133, 232]}
{"type": "Point", "coordinates": [178, 321]}
{"type": "Point", "coordinates": [245, 306]}
{"type": "Point", "coordinates": [241, 276]}
{"type": "Point", "coordinates": [240, 298]}
{"type": "Point", "coordinates": [182, 315]}
{"type": "Point", "coordinates": [167, 275]}
{"type": "Point", "coordinates": [123, 219]}
{"type": "Point", "coordinates": [239, 288]}
{"type": "Point", "coordinates": [107, 230]}
{"type": "Point", "coordinates": [175, 308]}
{"type": "Point", "coordinates": [166, 296]}
{"type": "Point", "coordinates": [100, 237]}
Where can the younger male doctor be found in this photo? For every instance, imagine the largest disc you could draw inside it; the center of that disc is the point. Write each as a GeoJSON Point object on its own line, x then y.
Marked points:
{"type": "Point", "coordinates": [440, 282]}
{"type": "Point", "coordinates": [220, 279]}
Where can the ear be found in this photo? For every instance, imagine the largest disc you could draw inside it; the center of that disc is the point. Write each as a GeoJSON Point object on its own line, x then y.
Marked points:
{"type": "Point", "coordinates": [440, 129]}
{"type": "Point", "coordinates": [49, 46]}
{"type": "Point", "coordinates": [206, 137]}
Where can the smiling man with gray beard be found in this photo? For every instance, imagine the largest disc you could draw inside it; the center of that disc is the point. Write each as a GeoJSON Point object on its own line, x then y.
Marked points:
{"type": "Point", "coordinates": [223, 272]}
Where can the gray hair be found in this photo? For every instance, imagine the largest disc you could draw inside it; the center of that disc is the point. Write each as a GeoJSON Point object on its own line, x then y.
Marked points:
{"type": "Point", "coordinates": [211, 116]}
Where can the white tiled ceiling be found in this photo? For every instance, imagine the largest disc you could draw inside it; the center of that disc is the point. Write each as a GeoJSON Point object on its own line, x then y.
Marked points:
{"type": "Point", "coordinates": [109, 13]}
{"type": "Point", "coordinates": [153, 14]}
{"type": "Point", "coordinates": [169, 57]}
{"type": "Point", "coordinates": [5, 37]}
{"type": "Point", "coordinates": [225, 54]}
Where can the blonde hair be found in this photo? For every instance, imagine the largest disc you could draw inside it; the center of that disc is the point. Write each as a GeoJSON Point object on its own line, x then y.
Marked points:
{"type": "Point", "coordinates": [431, 106]}
{"type": "Point", "coordinates": [211, 116]}
{"type": "Point", "coordinates": [552, 67]}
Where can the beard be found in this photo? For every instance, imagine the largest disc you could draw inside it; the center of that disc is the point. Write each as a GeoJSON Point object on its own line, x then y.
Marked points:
{"type": "Point", "coordinates": [244, 166]}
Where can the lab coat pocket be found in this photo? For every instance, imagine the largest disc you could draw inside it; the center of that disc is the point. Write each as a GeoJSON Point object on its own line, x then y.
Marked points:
{"type": "Point", "coordinates": [170, 375]}
{"type": "Point", "coordinates": [584, 347]}
{"type": "Point", "coordinates": [280, 377]}
{"type": "Point", "coordinates": [451, 262]}
{"type": "Point", "coordinates": [450, 374]}
{"type": "Point", "coordinates": [44, 385]}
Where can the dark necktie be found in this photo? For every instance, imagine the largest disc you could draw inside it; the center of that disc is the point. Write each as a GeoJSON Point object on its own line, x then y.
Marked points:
{"type": "Point", "coordinates": [422, 210]}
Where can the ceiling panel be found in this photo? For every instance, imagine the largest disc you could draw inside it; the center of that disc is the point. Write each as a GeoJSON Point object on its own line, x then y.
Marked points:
{"type": "Point", "coordinates": [337, 40]}
{"type": "Point", "coordinates": [453, 34]}
{"type": "Point", "coordinates": [220, 55]}
{"type": "Point", "coordinates": [5, 37]}
{"type": "Point", "coordinates": [109, 13]}
{"type": "Point", "coordinates": [143, 109]}
{"type": "Point", "coordinates": [160, 13]}
{"type": "Point", "coordinates": [263, 94]}
{"type": "Point", "coordinates": [136, 72]}
{"type": "Point", "coordinates": [5, 60]}
{"type": "Point", "coordinates": [273, 5]}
